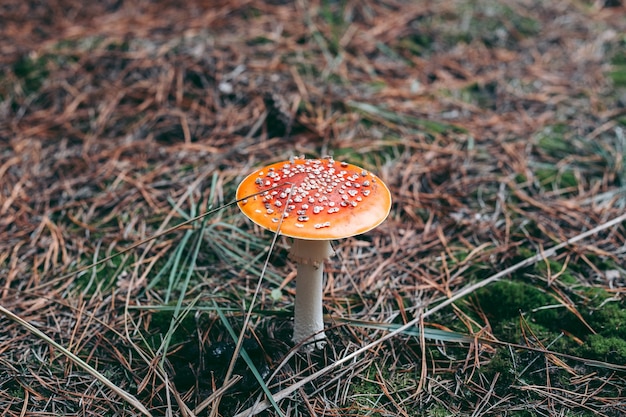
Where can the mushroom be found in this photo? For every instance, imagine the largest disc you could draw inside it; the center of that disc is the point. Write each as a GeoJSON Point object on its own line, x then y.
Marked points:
{"type": "Point", "coordinates": [313, 201]}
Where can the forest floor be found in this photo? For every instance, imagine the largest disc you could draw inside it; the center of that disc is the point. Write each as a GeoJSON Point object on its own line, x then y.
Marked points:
{"type": "Point", "coordinates": [495, 287]}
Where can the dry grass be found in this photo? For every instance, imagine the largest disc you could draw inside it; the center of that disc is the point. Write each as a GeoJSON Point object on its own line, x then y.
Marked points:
{"type": "Point", "coordinates": [495, 124]}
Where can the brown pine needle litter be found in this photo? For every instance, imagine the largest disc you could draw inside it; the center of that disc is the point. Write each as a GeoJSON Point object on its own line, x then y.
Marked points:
{"type": "Point", "coordinates": [130, 284]}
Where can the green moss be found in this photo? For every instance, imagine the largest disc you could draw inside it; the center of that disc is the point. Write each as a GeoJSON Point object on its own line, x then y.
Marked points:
{"type": "Point", "coordinates": [507, 299]}
{"type": "Point", "coordinates": [366, 395]}
{"type": "Point", "coordinates": [369, 398]}
{"type": "Point", "coordinates": [605, 348]}
{"type": "Point", "coordinates": [501, 364]}
{"type": "Point", "coordinates": [508, 303]}
{"type": "Point", "coordinates": [604, 314]}
{"type": "Point", "coordinates": [565, 276]}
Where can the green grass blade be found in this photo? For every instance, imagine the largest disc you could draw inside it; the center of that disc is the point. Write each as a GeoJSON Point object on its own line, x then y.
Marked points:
{"type": "Point", "coordinates": [380, 113]}
{"type": "Point", "coordinates": [249, 362]}
{"type": "Point", "coordinates": [193, 307]}
{"type": "Point", "coordinates": [429, 333]}
{"type": "Point", "coordinates": [177, 317]}
{"type": "Point", "coordinates": [174, 270]}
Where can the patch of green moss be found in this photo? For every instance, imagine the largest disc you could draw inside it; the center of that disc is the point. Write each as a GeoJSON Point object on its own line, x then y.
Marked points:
{"type": "Point", "coordinates": [507, 299]}
{"type": "Point", "coordinates": [609, 349]}
{"type": "Point", "coordinates": [604, 314]}
{"type": "Point", "coordinates": [608, 318]}
{"type": "Point", "coordinates": [369, 398]}
{"type": "Point", "coordinates": [566, 276]}
{"type": "Point", "coordinates": [508, 303]}
{"type": "Point", "coordinates": [501, 364]}
{"type": "Point", "coordinates": [511, 306]}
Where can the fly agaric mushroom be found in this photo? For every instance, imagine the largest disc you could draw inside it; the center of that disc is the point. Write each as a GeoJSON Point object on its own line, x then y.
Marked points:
{"type": "Point", "coordinates": [313, 201]}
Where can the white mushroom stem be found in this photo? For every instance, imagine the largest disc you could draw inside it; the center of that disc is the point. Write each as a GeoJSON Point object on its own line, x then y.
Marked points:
{"type": "Point", "coordinates": [308, 318]}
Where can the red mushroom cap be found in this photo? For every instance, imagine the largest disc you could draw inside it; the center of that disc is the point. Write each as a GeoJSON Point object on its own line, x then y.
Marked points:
{"type": "Point", "coordinates": [318, 199]}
